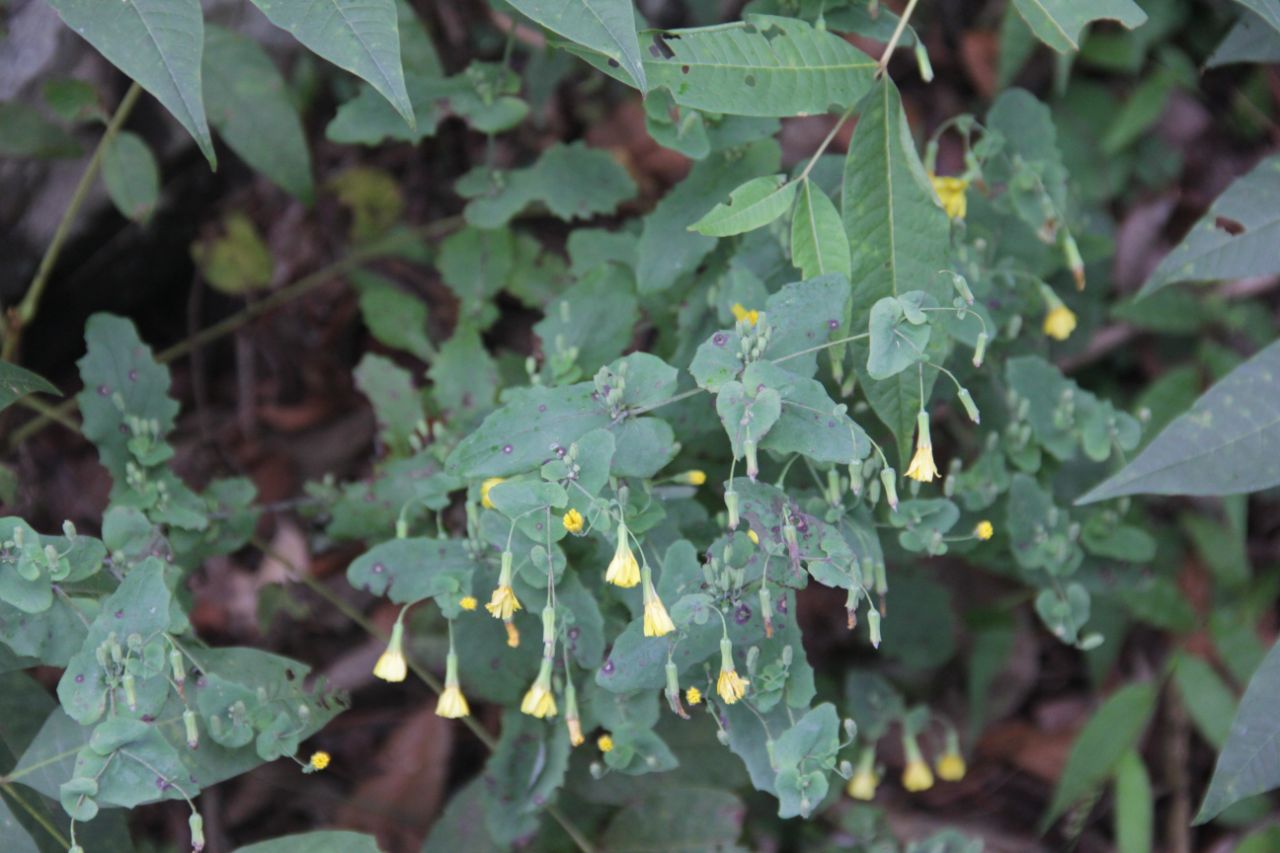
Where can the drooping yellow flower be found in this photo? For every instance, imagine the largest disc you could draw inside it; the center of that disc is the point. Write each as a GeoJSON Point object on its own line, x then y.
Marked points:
{"type": "Point", "coordinates": [917, 776]}
{"type": "Point", "coordinates": [319, 761]}
{"type": "Point", "coordinates": [573, 521]}
{"type": "Point", "coordinates": [922, 467]}
{"type": "Point", "coordinates": [985, 530]}
{"type": "Point", "coordinates": [657, 622]}
{"type": "Point", "coordinates": [950, 767]}
{"type": "Point", "coordinates": [503, 603]}
{"type": "Point", "coordinates": [468, 602]}
{"type": "Point", "coordinates": [1060, 322]}
{"type": "Point", "coordinates": [729, 684]}
{"type": "Point", "coordinates": [691, 478]}
{"type": "Point", "coordinates": [391, 666]}
{"type": "Point", "coordinates": [693, 696]}
{"type": "Point", "coordinates": [862, 785]}
{"type": "Point", "coordinates": [485, 488]}
{"type": "Point", "coordinates": [623, 569]}
{"type": "Point", "coordinates": [452, 704]}
{"type": "Point", "coordinates": [950, 192]}
{"type": "Point", "coordinates": [513, 634]}
{"type": "Point", "coordinates": [539, 701]}
{"type": "Point", "coordinates": [604, 743]}
{"type": "Point", "coordinates": [739, 313]}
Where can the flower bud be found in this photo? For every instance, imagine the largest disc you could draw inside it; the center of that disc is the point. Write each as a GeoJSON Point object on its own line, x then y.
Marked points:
{"type": "Point", "coordinates": [196, 823]}
{"type": "Point", "coordinates": [731, 504]}
{"type": "Point", "coordinates": [766, 611]}
{"type": "Point", "coordinates": [179, 666]}
{"type": "Point", "coordinates": [873, 626]}
{"type": "Point", "coordinates": [192, 729]}
{"type": "Point", "coordinates": [980, 349]}
{"type": "Point", "coordinates": [970, 408]}
{"type": "Point", "coordinates": [753, 462]}
{"type": "Point", "coordinates": [887, 479]}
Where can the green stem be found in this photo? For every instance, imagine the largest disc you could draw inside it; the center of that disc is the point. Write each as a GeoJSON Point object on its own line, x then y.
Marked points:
{"type": "Point", "coordinates": [36, 815]}
{"type": "Point", "coordinates": [26, 311]}
{"type": "Point", "coordinates": [897, 34]}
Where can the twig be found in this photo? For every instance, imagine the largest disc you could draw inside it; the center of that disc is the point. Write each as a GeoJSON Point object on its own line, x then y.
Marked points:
{"type": "Point", "coordinates": [893, 40]}
{"type": "Point", "coordinates": [22, 316]}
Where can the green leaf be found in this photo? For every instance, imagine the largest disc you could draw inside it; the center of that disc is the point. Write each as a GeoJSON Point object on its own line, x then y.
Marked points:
{"type": "Point", "coordinates": [746, 414]}
{"type": "Point", "coordinates": [1267, 10]}
{"type": "Point", "coordinates": [1247, 765]}
{"type": "Point", "coordinates": [1235, 239]}
{"type": "Point", "coordinates": [1058, 23]}
{"type": "Point", "coordinates": [572, 181]}
{"type": "Point", "coordinates": [750, 206]}
{"type": "Point", "coordinates": [810, 423]}
{"type": "Point", "coordinates": [1209, 702]}
{"type": "Point", "coordinates": [250, 106]}
{"type": "Point", "coordinates": [763, 66]}
{"type": "Point", "coordinates": [360, 36]}
{"type": "Point", "coordinates": [17, 382]}
{"type": "Point", "coordinates": [606, 26]}
{"type": "Point", "coordinates": [1229, 443]}
{"type": "Point", "coordinates": [238, 261]}
{"type": "Point", "coordinates": [396, 403]}
{"type": "Point", "coordinates": [461, 825]}
{"type": "Point", "coordinates": [412, 569]}
{"type": "Point", "coordinates": [72, 100]}
{"type": "Point", "coordinates": [591, 323]}
{"type": "Point", "coordinates": [523, 775]}
{"type": "Point", "coordinates": [1252, 39]}
{"type": "Point", "coordinates": [1108, 736]}
{"type": "Point", "coordinates": [677, 818]}
{"type": "Point", "coordinates": [131, 175]}
{"type": "Point", "coordinates": [897, 342]}
{"type": "Point", "coordinates": [1031, 165]}
{"type": "Point", "coordinates": [818, 242]}
{"type": "Point", "coordinates": [24, 132]}
{"type": "Point", "coordinates": [394, 316]}
{"type": "Point", "coordinates": [326, 841]}
{"type": "Point", "coordinates": [158, 43]}
{"type": "Point", "coordinates": [16, 838]}
{"type": "Point", "coordinates": [1134, 811]}
{"type": "Point", "coordinates": [464, 377]}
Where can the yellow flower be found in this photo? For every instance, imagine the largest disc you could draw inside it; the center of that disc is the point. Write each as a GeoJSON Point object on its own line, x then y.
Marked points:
{"type": "Point", "coordinates": [452, 704]}
{"type": "Point", "coordinates": [862, 785]}
{"type": "Point", "coordinates": [950, 767]}
{"type": "Point", "coordinates": [575, 731]}
{"type": "Point", "coordinates": [485, 488]}
{"type": "Point", "coordinates": [951, 193]}
{"type": "Point", "coordinates": [693, 696]}
{"type": "Point", "coordinates": [922, 466]}
{"type": "Point", "coordinates": [391, 665]}
{"type": "Point", "coordinates": [985, 530]}
{"type": "Point", "coordinates": [605, 743]}
{"type": "Point", "coordinates": [753, 536]}
{"type": "Point", "coordinates": [623, 569]}
{"type": "Point", "coordinates": [729, 685]}
{"type": "Point", "coordinates": [572, 521]}
{"type": "Point", "coordinates": [691, 478]}
{"type": "Point", "coordinates": [468, 602]}
{"type": "Point", "coordinates": [917, 776]}
{"type": "Point", "coordinates": [739, 313]}
{"type": "Point", "coordinates": [1060, 322]}
{"type": "Point", "coordinates": [539, 701]}
{"type": "Point", "coordinates": [657, 622]}
{"type": "Point", "coordinates": [503, 603]}
{"type": "Point", "coordinates": [319, 761]}
{"type": "Point", "coordinates": [513, 634]}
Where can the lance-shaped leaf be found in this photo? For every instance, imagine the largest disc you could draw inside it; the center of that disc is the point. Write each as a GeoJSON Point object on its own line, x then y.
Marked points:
{"type": "Point", "coordinates": [326, 841]}
{"type": "Point", "coordinates": [131, 176]}
{"type": "Point", "coordinates": [818, 242]}
{"type": "Point", "coordinates": [606, 26]}
{"type": "Point", "coordinates": [1229, 443]}
{"type": "Point", "coordinates": [1058, 23]}
{"type": "Point", "coordinates": [158, 43]}
{"type": "Point", "coordinates": [1236, 238]}
{"type": "Point", "coordinates": [360, 36]}
{"type": "Point", "coordinates": [753, 205]}
{"type": "Point", "coordinates": [17, 382]}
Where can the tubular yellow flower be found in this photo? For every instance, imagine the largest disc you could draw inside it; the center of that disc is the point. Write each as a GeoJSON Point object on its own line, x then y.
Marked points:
{"type": "Point", "coordinates": [468, 602]}
{"type": "Point", "coordinates": [1060, 322]}
{"type": "Point", "coordinates": [729, 685]}
{"type": "Point", "coordinates": [573, 521]}
{"type": "Point", "coordinates": [950, 767]}
{"type": "Point", "coordinates": [922, 467]}
{"type": "Point", "coordinates": [539, 701]}
{"type": "Point", "coordinates": [452, 704]}
{"type": "Point", "coordinates": [604, 743]}
{"type": "Point", "coordinates": [319, 761]}
{"type": "Point", "coordinates": [916, 776]}
{"type": "Point", "coordinates": [513, 634]}
{"type": "Point", "coordinates": [693, 696]}
{"type": "Point", "coordinates": [657, 622]}
{"type": "Point", "coordinates": [691, 478]}
{"type": "Point", "coordinates": [739, 313]}
{"type": "Point", "coordinates": [485, 488]}
{"type": "Point", "coordinates": [503, 603]}
{"type": "Point", "coordinates": [391, 665]}
{"type": "Point", "coordinates": [623, 569]}
{"type": "Point", "coordinates": [985, 530]}
{"type": "Point", "coordinates": [862, 785]}
{"type": "Point", "coordinates": [950, 192]}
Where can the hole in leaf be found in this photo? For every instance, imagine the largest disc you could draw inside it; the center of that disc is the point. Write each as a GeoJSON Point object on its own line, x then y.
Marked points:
{"type": "Point", "coordinates": [751, 80]}
{"type": "Point", "coordinates": [660, 50]}
{"type": "Point", "coordinates": [1231, 226]}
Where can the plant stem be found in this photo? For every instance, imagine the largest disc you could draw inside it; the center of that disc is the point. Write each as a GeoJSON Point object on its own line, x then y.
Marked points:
{"type": "Point", "coordinates": [893, 40]}
{"type": "Point", "coordinates": [813, 160]}
{"type": "Point", "coordinates": [22, 316]}
{"type": "Point", "coordinates": [36, 815]}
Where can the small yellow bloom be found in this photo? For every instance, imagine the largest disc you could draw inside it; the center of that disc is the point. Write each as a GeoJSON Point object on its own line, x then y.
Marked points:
{"type": "Point", "coordinates": [513, 634]}
{"type": "Point", "coordinates": [753, 536]}
{"type": "Point", "coordinates": [862, 785]}
{"type": "Point", "coordinates": [391, 665]}
{"type": "Point", "coordinates": [575, 731]}
{"type": "Point", "coordinates": [729, 685]}
{"type": "Point", "coordinates": [657, 622]}
{"type": "Point", "coordinates": [950, 767]}
{"type": "Point", "coordinates": [1060, 322]}
{"type": "Point", "coordinates": [539, 701]}
{"type": "Point", "coordinates": [485, 488]}
{"type": "Point", "coordinates": [950, 192]}
{"type": "Point", "coordinates": [691, 478]}
{"type": "Point", "coordinates": [739, 313]}
{"type": "Point", "coordinates": [623, 569]}
{"type": "Point", "coordinates": [468, 602]}
{"type": "Point", "coordinates": [985, 530]}
{"type": "Point", "coordinates": [452, 704]}
{"type": "Point", "coordinates": [319, 760]}
{"type": "Point", "coordinates": [693, 696]}
{"type": "Point", "coordinates": [922, 467]}
{"type": "Point", "coordinates": [917, 776]}
{"type": "Point", "coordinates": [573, 521]}
{"type": "Point", "coordinates": [503, 603]}
{"type": "Point", "coordinates": [604, 743]}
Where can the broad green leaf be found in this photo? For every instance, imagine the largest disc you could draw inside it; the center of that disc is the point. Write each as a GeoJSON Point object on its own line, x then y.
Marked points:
{"type": "Point", "coordinates": [752, 205]}
{"type": "Point", "coordinates": [72, 100]}
{"type": "Point", "coordinates": [464, 376]}
{"type": "Point", "coordinates": [572, 181]}
{"type": "Point", "coordinates": [746, 414]}
{"type": "Point", "coordinates": [1111, 733]}
{"type": "Point", "coordinates": [477, 263]}
{"type": "Point", "coordinates": [326, 841]}
{"type": "Point", "coordinates": [158, 43]}
{"type": "Point", "coordinates": [1252, 39]}
{"type": "Point", "coordinates": [818, 242]}
{"type": "Point", "coordinates": [523, 775]}
{"type": "Point", "coordinates": [763, 66]}
{"type": "Point", "coordinates": [461, 825]}
{"type": "Point", "coordinates": [24, 132]}
{"type": "Point", "coordinates": [1031, 165]}
{"type": "Point", "coordinates": [1209, 701]}
{"type": "Point", "coordinates": [360, 36]}
{"type": "Point", "coordinates": [237, 261]}
{"type": "Point", "coordinates": [132, 176]}
{"type": "Point", "coordinates": [1058, 23]}
{"type": "Point", "coordinates": [17, 382]}
{"type": "Point", "coordinates": [1247, 764]}
{"type": "Point", "coordinates": [1236, 238]}
{"type": "Point", "coordinates": [810, 423]}
{"type": "Point", "coordinates": [250, 107]}
{"type": "Point", "coordinates": [1267, 10]}
{"type": "Point", "coordinates": [897, 400]}
{"type": "Point", "coordinates": [396, 403]}
{"type": "Point", "coordinates": [1229, 443]}
{"type": "Point", "coordinates": [412, 569]}
{"type": "Point", "coordinates": [15, 837]}
{"type": "Point", "coordinates": [592, 321]}
{"type": "Point", "coordinates": [677, 818]}
{"type": "Point", "coordinates": [606, 26]}
{"type": "Point", "coordinates": [1134, 810]}
{"type": "Point", "coordinates": [896, 342]}
{"type": "Point", "coordinates": [395, 317]}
